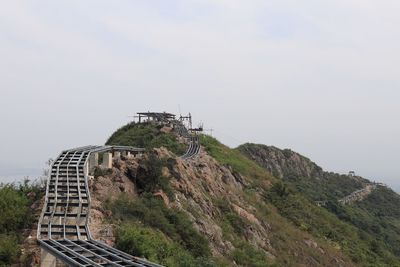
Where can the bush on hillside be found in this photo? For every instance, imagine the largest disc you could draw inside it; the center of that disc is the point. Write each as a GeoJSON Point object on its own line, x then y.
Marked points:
{"type": "Point", "coordinates": [247, 255]}
{"type": "Point", "coordinates": [15, 215]}
{"type": "Point", "coordinates": [152, 212]}
{"type": "Point", "coordinates": [146, 135]}
{"type": "Point", "coordinates": [14, 209]}
{"type": "Point", "coordinates": [153, 245]}
{"type": "Point", "coordinates": [8, 249]}
{"type": "Point", "coordinates": [237, 223]}
{"type": "Point", "coordinates": [149, 177]}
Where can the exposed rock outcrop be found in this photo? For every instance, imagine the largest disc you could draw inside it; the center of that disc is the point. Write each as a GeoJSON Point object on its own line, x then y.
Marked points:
{"type": "Point", "coordinates": [198, 185]}
{"type": "Point", "coordinates": [282, 162]}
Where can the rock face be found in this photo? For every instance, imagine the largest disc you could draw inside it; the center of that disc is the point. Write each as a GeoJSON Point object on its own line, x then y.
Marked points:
{"type": "Point", "coordinates": [307, 176]}
{"type": "Point", "coordinates": [199, 186]}
{"type": "Point", "coordinates": [200, 183]}
{"type": "Point", "coordinates": [282, 162]}
{"type": "Point", "coordinates": [107, 188]}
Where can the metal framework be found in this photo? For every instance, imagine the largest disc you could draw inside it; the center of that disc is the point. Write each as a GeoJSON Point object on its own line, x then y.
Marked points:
{"type": "Point", "coordinates": [63, 225]}
{"type": "Point", "coordinates": [155, 116]}
{"type": "Point", "coordinates": [194, 140]}
{"type": "Point", "coordinates": [193, 149]}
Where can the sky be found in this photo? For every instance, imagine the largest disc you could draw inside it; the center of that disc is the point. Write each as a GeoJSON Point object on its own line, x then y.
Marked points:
{"type": "Point", "coordinates": [318, 77]}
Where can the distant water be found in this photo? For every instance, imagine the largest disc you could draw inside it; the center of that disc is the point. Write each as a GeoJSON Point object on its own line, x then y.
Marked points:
{"type": "Point", "coordinates": [19, 178]}
{"type": "Point", "coordinates": [16, 175]}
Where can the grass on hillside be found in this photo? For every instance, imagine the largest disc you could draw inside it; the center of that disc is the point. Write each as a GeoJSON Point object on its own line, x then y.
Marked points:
{"type": "Point", "coordinates": [152, 212]}
{"type": "Point", "coordinates": [146, 135]}
{"type": "Point", "coordinates": [361, 247]}
{"type": "Point", "coordinates": [367, 233]}
{"type": "Point", "coordinates": [152, 244]}
{"type": "Point", "coordinates": [236, 160]}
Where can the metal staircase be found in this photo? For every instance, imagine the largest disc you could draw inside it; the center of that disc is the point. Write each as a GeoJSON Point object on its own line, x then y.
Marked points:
{"type": "Point", "coordinates": [193, 149]}
{"type": "Point", "coordinates": [63, 225]}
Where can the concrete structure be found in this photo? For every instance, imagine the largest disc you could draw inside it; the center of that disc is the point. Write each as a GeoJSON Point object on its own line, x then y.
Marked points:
{"type": "Point", "coordinates": [47, 259]}
{"type": "Point", "coordinates": [107, 160]}
{"type": "Point", "coordinates": [93, 161]}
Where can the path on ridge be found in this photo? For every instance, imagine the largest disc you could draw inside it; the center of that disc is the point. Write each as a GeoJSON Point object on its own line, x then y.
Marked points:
{"type": "Point", "coordinates": [358, 195]}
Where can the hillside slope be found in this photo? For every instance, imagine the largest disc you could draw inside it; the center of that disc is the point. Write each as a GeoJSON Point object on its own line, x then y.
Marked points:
{"type": "Point", "coordinates": [207, 213]}
{"type": "Point", "coordinates": [375, 212]}
{"type": "Point", "coordinates": [243, 215]}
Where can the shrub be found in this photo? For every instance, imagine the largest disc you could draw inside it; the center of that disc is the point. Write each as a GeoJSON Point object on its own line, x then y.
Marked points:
{"type": "Point", "coordinates": [153, 212]}
{"type": "Point", "coordinates": [98, 171]}
{"type": "Point", "coordinates": [15, 215]}
{"type": "Point", "coordinates": [14, 210]}
{"type": "Point", "coordinates": [247, 255]}
{"type": "Point", "coordinates": [152, 244]}
{"type": "Point", "coordinates": [237, 223]}
{"type": "Point", "coordinates": [149, 178]}
{"type": "Point", "coordinates": [8, 249]}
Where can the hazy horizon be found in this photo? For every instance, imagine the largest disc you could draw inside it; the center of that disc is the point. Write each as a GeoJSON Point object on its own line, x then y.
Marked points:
{"type": "Point", "coordinates": [319, 78]}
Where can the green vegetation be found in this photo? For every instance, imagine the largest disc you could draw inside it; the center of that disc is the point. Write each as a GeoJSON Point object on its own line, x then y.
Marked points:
{"type": "Point", "coordinates": [236, 160]}
{"type": "Point", "coordinates": [8, 251]}
{"type": "Point", "coordinates": [313, 183]}
{"type": "Point", "coordinates": [15, 215]}
{"type": "Point", "coordinates": [234, 229]}
{"type": "Point", "coordinates": [230, 218]}
{"type": "Point", "coordinates": [174, 224]}
{"type": "Point", "coordinates": [146, 135]}
{"type": "Point", "coordinates": [330, 187]}
{"type": "Point", "coordinates": [149, 178]}
{"type": "Point", "coordinates": [284, 237]}
{"type": "Point", "coordinates": [98, 171]}
{"type": "Point", "coordinates": [137, 239]}
{"type": "Point", "coordinates": [379, 216]}
{"type": "Point", "coordinates": [247, 255]}
{"type": "Point", "coordinates": [367, 231]}
{"type": "Point", "coordinates": [325, 225]}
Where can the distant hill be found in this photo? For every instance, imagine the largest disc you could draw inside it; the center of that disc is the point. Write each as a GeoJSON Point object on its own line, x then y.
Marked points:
{"type": "Point", "coordinates": [376, 213]}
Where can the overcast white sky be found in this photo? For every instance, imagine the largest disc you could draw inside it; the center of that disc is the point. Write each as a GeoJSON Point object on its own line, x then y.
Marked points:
{"type": "Point", "coordinates": [319, 77]}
